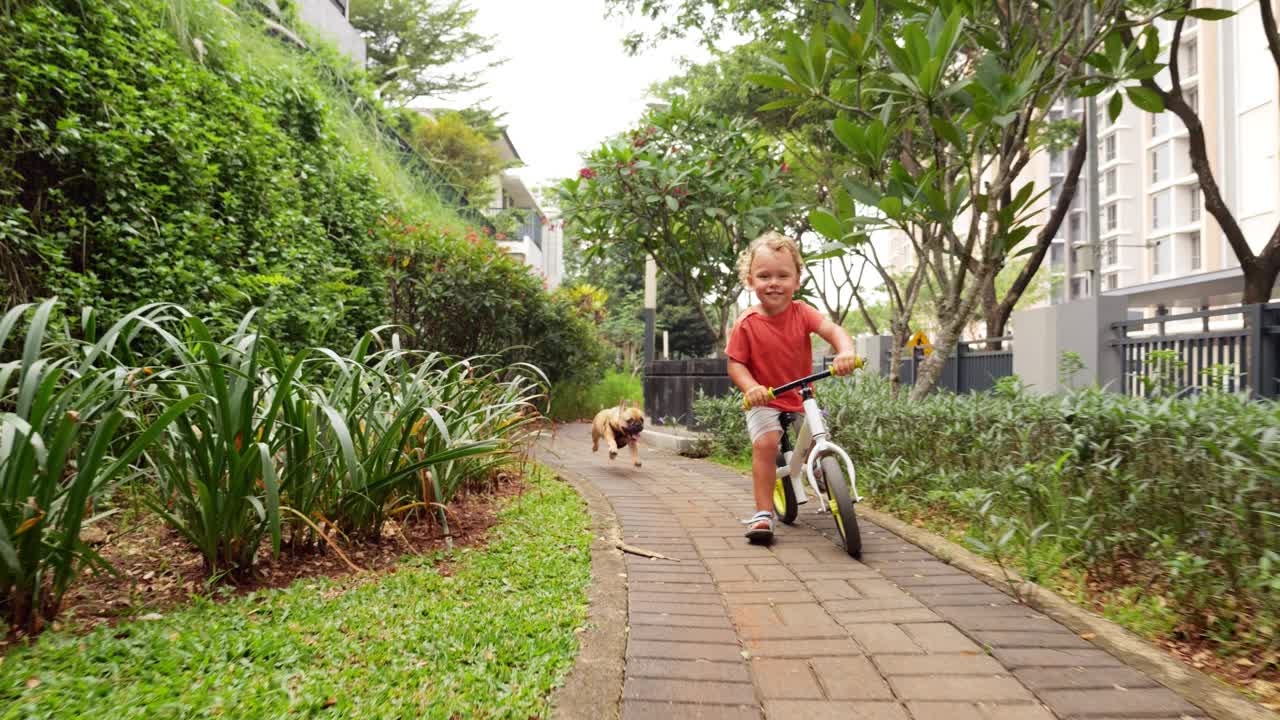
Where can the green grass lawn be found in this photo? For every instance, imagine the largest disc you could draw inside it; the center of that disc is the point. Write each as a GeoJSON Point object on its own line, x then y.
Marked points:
{"type": "Point", "coordinates": [490, 640]}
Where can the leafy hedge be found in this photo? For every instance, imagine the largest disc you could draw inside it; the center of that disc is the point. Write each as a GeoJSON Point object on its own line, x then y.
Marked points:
{"type": "Point", "coordinates": [1174, 502]}
{"type": "Point", "coordinates": [169, 150]}
{"type": "Point", "coordinates": [463, 296]}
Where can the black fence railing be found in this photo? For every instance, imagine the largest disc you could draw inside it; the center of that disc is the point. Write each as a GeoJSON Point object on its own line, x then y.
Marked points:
{"type": "Point", "coordinates": [973, 367]}
{"type": "Point", "coordinates": [532, 227]}
{"type": "Point", "coordinates": [671, 386]}
{"type": "Point", "coordinates": [1231, 349]}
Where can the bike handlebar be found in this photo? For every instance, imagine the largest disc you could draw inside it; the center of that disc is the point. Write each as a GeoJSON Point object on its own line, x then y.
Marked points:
{"type": "Point", "coordinates": [774, 392]}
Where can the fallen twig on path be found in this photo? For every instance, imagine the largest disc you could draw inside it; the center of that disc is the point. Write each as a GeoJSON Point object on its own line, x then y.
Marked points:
{"type": "Point", "coordinates": [642, 552]}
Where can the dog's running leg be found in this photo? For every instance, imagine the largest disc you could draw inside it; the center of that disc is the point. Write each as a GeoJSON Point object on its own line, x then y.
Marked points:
{"type": "Point", "coordinates": [613, 446]}
{"type": "Point", "coordinates": [635, 451]}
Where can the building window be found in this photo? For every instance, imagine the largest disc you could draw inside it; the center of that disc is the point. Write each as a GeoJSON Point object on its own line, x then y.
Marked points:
{"type": "Point", "coordinates": [1111, 281]}
{"type": "Point", "coordinates": [1155, 257]}
{"type": "Point", "coordinates": [1077, 287]}
{"type": "Point", "coordinates": [1055, 192]}
{"type": "Point", "coordinates": [1195, 204]}
{"type": "Point", "coordinates": [1111, 148]}
{"type": "Point", "coordinates": [1055, 254]}
{"type": "Point", "coordinates": [1160, 210]}
{"type": "Point", "coordinates": [1113, 216]}
{"type": "Point", "coordinates": [1190, 59]}
{"type": "Point", "coordinates": [1155, 124]}
{"type": "Point", "coordinates": [1111, 181]}
{"type": "Point", "coordinates": [1193, 250]}
{"type": "Point", "coordinates": [1073, 227]}
{"type": "Point", "coordinates": [1190, 21]}
{"type": "Point", "coordinates": [1113, 252]}
{"type": "Point", "coordinates": [1193, 99]}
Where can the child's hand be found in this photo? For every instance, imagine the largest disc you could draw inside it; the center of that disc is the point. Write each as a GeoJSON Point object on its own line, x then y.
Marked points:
{"type": "Point", "coordinates": [758, 396]}
{"type": "Point", "coordinates": [846, 363]}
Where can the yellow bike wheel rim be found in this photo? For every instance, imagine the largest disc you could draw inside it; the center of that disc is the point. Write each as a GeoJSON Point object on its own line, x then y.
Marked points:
{"type": "Point", "coordinates": [779, 498]}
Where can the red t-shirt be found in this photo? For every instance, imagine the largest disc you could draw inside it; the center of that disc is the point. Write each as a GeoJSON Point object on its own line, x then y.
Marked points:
{"type": "Point", "coordinates": [776, 349]}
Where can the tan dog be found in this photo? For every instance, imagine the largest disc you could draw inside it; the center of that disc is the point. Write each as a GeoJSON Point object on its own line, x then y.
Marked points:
{"type": "Point", "coordinates": [618, 426]}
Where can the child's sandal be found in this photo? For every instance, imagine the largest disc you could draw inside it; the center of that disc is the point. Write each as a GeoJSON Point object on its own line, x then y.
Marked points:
{"type": "Point", "coordinates": [760, 527]}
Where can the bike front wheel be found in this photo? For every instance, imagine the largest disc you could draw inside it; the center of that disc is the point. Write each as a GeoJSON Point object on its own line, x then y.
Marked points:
{"type": "Point", "coordinates": [784, 500]}
{"type": "Point", "coordinates": [840, 501]}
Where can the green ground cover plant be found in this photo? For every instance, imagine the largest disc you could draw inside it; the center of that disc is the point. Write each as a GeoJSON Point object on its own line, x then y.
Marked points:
{"type": "Point", "coordinates": [489, 638]}
{"type": "Point", "coordinates": [578, 400]}
{"type": "Point", "coordinates": [1167, 503]}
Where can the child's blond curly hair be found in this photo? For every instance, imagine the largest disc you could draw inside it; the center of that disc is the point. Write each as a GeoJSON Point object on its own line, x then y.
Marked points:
{"type": "Point", "coordinates": [775, 241]}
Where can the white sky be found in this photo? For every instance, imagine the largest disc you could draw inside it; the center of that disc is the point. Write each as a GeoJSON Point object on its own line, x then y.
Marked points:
{"type": "Point", "coordinates": [567, 84]}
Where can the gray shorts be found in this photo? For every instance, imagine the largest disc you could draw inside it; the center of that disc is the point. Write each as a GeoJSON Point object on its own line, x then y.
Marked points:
{"type": "Point", "coordinates": [763, 420]}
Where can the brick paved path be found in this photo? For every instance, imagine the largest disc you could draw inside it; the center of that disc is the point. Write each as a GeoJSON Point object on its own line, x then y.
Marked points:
{"type": "Point", "coordinates": [801, 630]}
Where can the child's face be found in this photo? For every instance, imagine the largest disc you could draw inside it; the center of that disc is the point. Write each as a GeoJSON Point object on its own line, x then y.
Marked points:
{"type": "Point", "coordinates": [773, 279]}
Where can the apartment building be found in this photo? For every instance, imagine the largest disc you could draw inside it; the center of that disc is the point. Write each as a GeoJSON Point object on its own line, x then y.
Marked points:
{"type": "Point", "coordinates": [1155, 243]}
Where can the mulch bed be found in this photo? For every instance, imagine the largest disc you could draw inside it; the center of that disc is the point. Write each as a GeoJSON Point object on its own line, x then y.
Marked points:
{"type": "Point", "coordinates": [158, 570]}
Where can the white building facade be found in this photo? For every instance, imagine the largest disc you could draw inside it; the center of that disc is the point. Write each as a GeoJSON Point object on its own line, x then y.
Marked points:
{"type": "Point", "coordinates": [1155, 243]}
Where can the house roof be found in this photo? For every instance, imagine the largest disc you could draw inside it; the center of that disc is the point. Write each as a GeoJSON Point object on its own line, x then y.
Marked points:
{"type": "Point", "coordinates": [506, 149]}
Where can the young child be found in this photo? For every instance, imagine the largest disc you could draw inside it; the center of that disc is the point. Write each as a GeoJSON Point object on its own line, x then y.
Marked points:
{"type": "Point", "coordinates": [769, 346]}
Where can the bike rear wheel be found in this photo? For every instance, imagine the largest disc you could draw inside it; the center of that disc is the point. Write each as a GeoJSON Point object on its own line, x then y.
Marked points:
{"type": "Point", "coordinates": [841, 503]}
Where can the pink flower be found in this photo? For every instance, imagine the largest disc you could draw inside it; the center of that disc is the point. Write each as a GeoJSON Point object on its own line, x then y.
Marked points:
{"type": "Point", "coordinates": [586, 173]}
{"type": "Point", "coordinates": [785, 167]}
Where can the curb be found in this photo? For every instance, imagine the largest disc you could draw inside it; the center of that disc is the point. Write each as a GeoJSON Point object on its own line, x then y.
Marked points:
{"type": "Point", "coordinates": [593, 688]}
{"type": "Point", "coordinates": [1221, 702]}
{"type": "Point", "coordinates": [673, 442]}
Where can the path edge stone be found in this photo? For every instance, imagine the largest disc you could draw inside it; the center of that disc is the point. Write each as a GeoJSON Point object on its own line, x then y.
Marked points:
{"type": "Point", "coordinates": [593, 688]}
{"type": "Point", "coordinates": [1221, 702]}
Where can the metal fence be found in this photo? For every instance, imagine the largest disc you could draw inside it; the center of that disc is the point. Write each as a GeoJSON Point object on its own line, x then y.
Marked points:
{"type": "Point", "coordinates": [973, 367]}
{"type": "Point", "coordinates": [670, 387]}
{"type": "Point", "coordinates": [1232, 349]}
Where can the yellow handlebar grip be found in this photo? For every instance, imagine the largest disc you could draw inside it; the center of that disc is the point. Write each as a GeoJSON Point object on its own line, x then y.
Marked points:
{"type": "Point", "coordinates": [746, 402]}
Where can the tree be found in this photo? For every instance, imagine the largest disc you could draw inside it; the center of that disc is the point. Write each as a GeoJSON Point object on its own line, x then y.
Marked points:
{"type": "Point", "coordinates": [942, 107]}
{"type": "Point", "coordinates": [689, 190]}
{"type": "Point", "coordinates": [710, 18]}
{"type": "Point", "coordinates": [463, 154]}
{"type": "Point", "coordinates": [416, 48]}
{"type": "Point", "coordinates": [1261, 268]}
{"type": "Point", "coordinates": [620, 277]}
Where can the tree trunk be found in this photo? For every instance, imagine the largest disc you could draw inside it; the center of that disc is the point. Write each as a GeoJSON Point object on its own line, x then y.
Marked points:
{"type": "Point", "coordinates": [944, 345]}
{"type": "Point", "coordinates": [991, 314]}
{"type": "Point", "coordinates": [931, 369]}
{"type": "Point", "coordinates": [998, 317]}
{"type": "Point", "coordinates": [1259, 280]}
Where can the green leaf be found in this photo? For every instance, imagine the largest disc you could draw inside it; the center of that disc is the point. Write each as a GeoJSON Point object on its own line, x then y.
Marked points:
{"type": "Point", "coordinates": [1145, 98]}
{"type": "Point", "coordinates": [779, 104]}
{"type": "Point", "coordinates": [1210, 13]}
{"type": "Point", "coordinates": [1114, 106]}
{"type": "Point", "coordinates": [672, 204]}
{"type": "Point", "coordinates": [891, 206]}
{"type": "Point", "coordinates": [826, 224]}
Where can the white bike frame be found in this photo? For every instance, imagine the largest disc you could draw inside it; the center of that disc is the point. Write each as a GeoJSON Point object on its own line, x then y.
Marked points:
{"type": "Point", "coordinates": [811, 446]}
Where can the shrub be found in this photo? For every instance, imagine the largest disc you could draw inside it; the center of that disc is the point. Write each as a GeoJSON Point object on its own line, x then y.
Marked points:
{"type": "Point", "coordinates": [463, 296]}
{"type": "Point", "coordinates": [1176, 495]}
{"type": "Point", "coordinates": [169, 150]}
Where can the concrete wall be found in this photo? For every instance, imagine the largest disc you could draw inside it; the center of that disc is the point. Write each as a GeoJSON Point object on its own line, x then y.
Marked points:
{"type": "Point", "coordinates": [331, 23]}
{"type": "Point", "coordinates": [1042, 335]}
